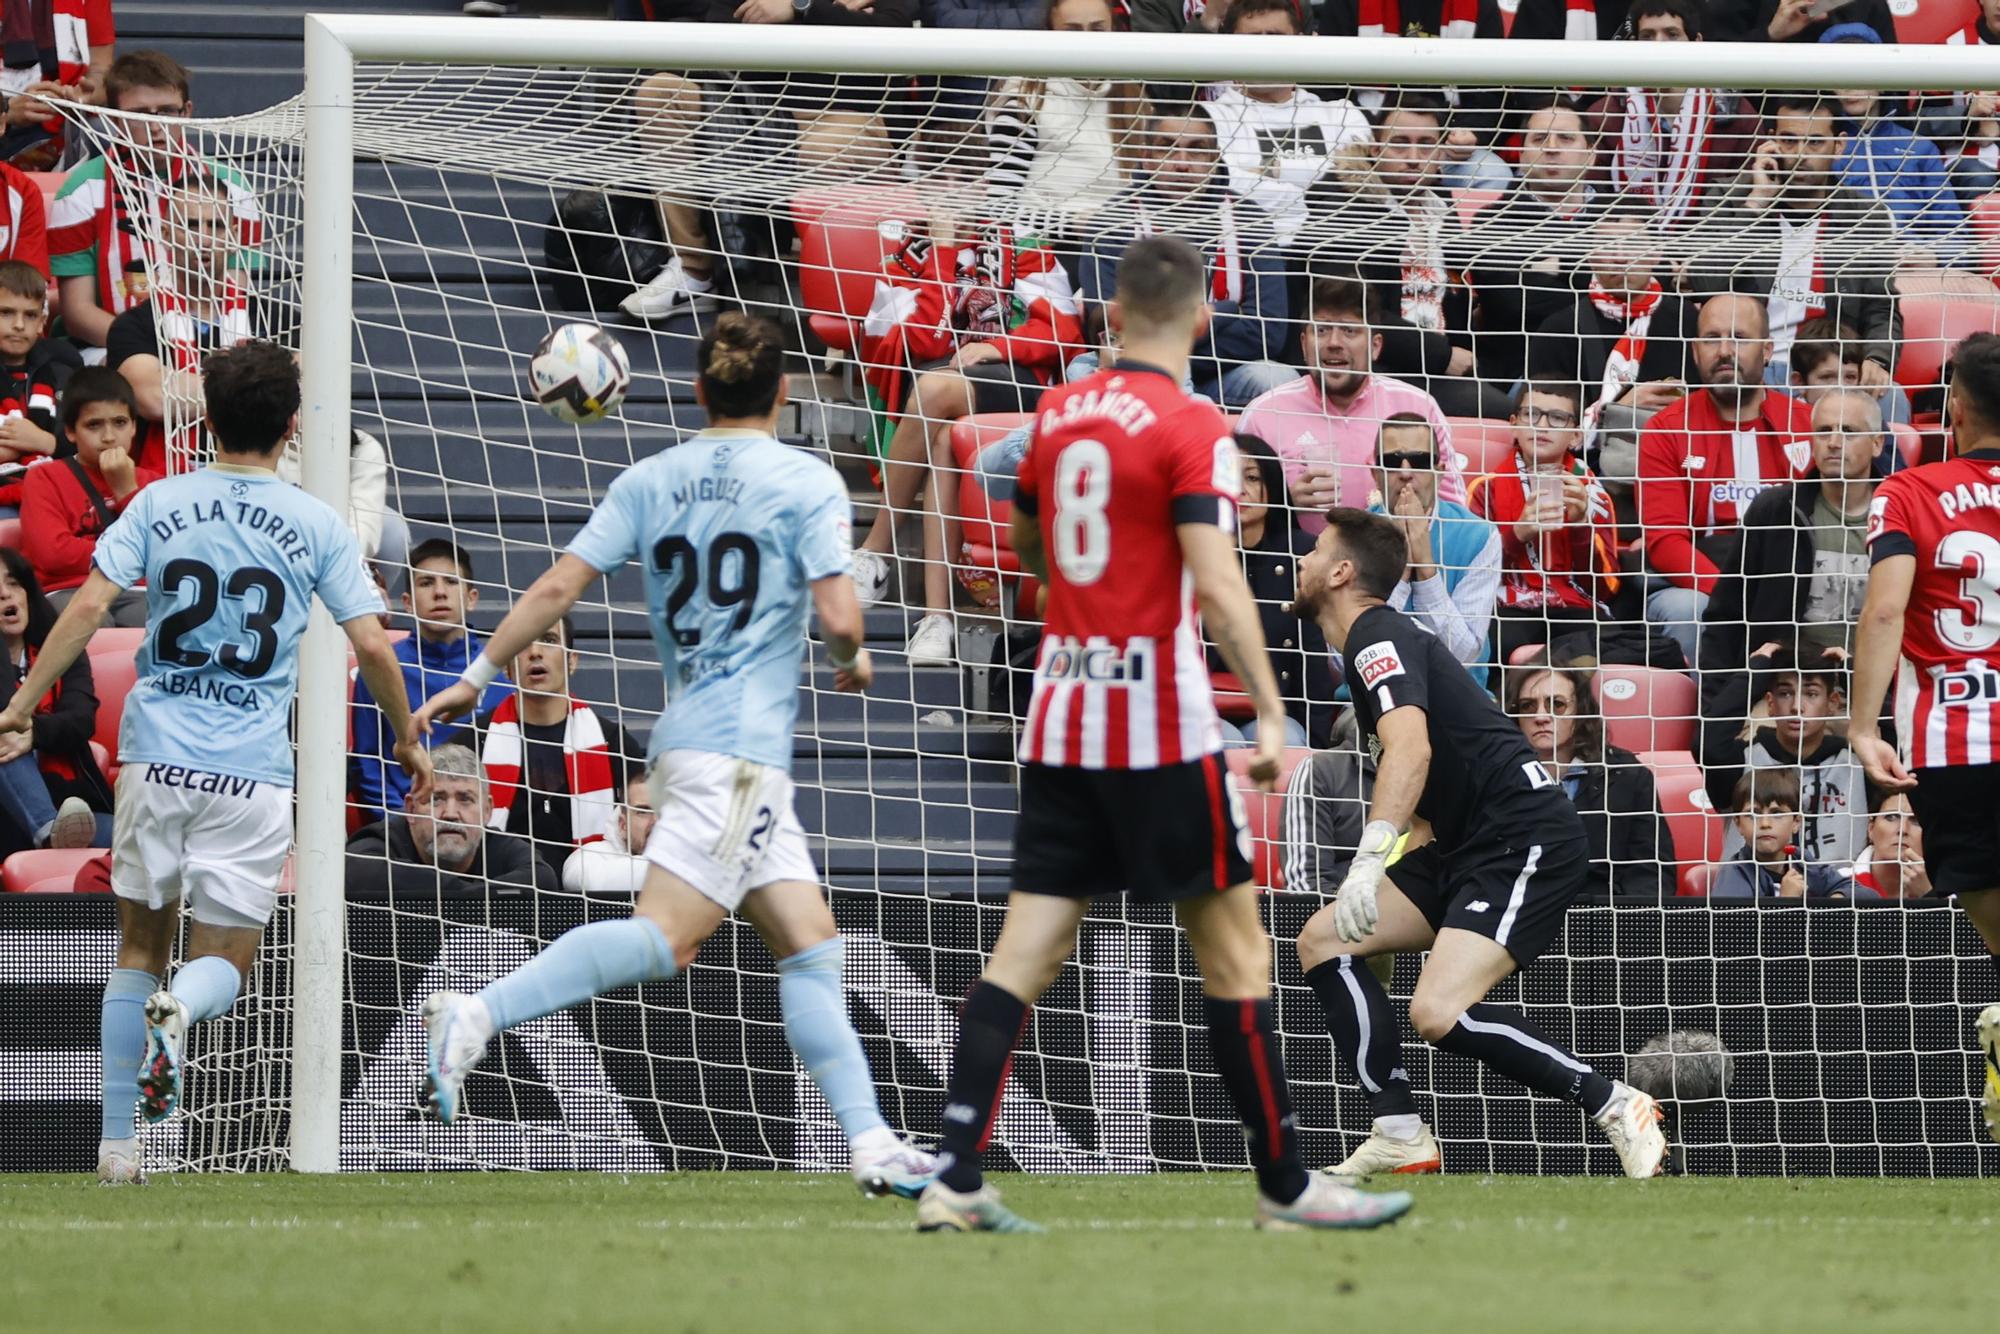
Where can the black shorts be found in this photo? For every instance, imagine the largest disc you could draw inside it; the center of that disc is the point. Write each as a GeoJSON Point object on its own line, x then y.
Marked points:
{"type": "Point", "coordinates": [1175, 832]}
{"type": "Point", "coordinates": [997, 386]}
{"type": "Point", "coordinates": [1514, 895]}
{"type": "Point", "coordinates": [1959, 808]}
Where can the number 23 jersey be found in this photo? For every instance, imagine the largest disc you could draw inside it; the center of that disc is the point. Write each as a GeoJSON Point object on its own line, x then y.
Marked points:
{"type": "Point", "coordinates": [1947, 515]}
{"type": "Point", "coordinates": [733, 528]}
{"type": "Point", "coordinates": [231, 558]}
{"type": "Point", "coordinates": [1119, 459]}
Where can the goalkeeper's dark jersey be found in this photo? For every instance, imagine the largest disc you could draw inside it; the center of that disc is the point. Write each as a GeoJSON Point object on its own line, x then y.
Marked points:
{"type": "Point", "coordinates": [1485, 784]}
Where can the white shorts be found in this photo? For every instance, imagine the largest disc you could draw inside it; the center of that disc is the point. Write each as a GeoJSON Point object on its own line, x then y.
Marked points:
{"type": "Point", "coordinates": [218, 839]}
{"type": "Point", "coordinates": [725, 825]}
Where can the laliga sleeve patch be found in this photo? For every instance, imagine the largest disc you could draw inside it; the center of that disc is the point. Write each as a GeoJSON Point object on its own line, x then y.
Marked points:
{"type": "Point", "coordinates": [1878, 515]}
{"type": "Point", "coordinates": [1377, 663]}
{"type": "Point", "coordinates": [1226, 474]}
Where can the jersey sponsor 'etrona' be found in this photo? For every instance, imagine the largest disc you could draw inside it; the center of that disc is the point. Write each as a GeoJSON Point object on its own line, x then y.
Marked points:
{"type": "Point", "coordinates": [1118, 460]}
{"type": "Point", "coordinates": [1947, 516]}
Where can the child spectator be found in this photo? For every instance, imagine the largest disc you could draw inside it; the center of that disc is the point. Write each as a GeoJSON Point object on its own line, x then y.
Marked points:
{"type": "Point", "coordinates": [67, 505]}
{"type": "Point", "coordinates": [1800, 700]}
{"type": "Point", "coordinates": [1705, 458]}
{"type": "Point", "coordinates": [550, 759]}
{"type": "Point", "coordinates": [1892, 864]}
{"type": "Point", "coordinates": [1766, 803]}
{"type": "Point", "coordinates": [440, 595]}
{"type": "Point", "coordinates": [33, 371]}
{"type": "Point", "coordinates": [52, 793]}
{"type": "Point", "coordinates": [110, 209]}
{"type": "Point", "coordinates": [614, 864]}
{"type": "Point", "coordinates": [1453, 576]}
{"type": "Point", "coordinates": [1325, 424]}
{"type": "Point", "coordinates": [1272, 545]}
{"type": "Point", "coordinates": [1887, 160]}
{"type": "Point", "coordinates": [1558, 552]}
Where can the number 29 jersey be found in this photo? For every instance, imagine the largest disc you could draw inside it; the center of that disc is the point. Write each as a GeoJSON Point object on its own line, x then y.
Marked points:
{"type": "Point", "coordinates": [1117, 460]}
{"type": "Point", "coordinates": [1947, 515]}
{"type": "Point", "coordinates": [231, 558]}
{"type": "Point", "coordinates": [733, 527]}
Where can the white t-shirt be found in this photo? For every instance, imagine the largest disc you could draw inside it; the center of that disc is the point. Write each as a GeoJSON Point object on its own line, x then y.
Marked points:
{"type": "Point", "coordinates": [1275, 151]}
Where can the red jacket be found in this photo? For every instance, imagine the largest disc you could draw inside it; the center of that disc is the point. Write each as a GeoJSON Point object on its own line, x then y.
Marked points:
{"type": "Point", "coordinates": [1688, 484]}
{"type": "Point", "coordinates": [60, 526]}
{"type": "Point", "coordinates": [1576, 568]}
{"type": "Point", "coordinates": [24, 231]}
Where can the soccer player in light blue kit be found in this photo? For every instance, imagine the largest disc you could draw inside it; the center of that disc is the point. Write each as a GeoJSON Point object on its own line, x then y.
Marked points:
{"type": "Point", "coordinates": [231, 557]}
{"type": "Point", "coordinates": [742, 538]}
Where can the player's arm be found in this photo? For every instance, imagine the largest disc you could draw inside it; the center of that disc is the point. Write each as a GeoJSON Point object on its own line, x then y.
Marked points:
{"type": "Point", "coordinates": [545, 603]}
{"type": "Point", "coordinates": [840, 625]}
{"type": "Point", "coordinates": [1878, 643]}
{"type": "Point", "coordinates": [72, 631]}
{"type": "Point", "coordinates": [383, 673]}
{"type": "Point", "coordinates": [1229, 615]}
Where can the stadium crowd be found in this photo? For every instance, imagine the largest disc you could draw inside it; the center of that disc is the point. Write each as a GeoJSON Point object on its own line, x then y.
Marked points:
{"type": "Point", "coordinates": [1625, 366]}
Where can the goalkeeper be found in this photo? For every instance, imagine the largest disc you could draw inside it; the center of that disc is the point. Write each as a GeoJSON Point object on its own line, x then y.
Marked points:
{"type": "Point", "coordinates": [1497, 853]}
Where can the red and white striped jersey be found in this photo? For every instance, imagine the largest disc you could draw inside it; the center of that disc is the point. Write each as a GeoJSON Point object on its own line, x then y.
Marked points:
{"type": "Point", "coordinates": [1946, 515]}
{"type": "Point", "coordinates": [1117, 460]}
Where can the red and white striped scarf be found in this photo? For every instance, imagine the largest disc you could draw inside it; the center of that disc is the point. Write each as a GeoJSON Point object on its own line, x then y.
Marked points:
{"type": "Point", "coordinates": [1664, 164]}
{"type": "Point", "coordinates": [1225, 267]}
{"type": "Point", "coordinates": [586, 762]}
{"type": "Point", "coordinates": [1622, 367]}
{"type": "Point", "coordinates": [1384, 18]}
{"type": "Point", "coordinates": [176, 324]}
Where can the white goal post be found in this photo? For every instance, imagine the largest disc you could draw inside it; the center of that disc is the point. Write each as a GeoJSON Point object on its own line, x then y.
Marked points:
{"type": "Point", "coordinates": [336, 43]}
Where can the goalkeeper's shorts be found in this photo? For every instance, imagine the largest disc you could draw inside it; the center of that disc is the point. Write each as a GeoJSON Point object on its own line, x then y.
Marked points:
{"type": "Point", "coordinates": [218, 839]}
{"type": "Point", "coordinates": [1514, 895]}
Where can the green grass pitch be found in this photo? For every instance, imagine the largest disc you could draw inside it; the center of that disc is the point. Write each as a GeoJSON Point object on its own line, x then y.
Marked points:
{"type": "Point", "coordinates": [716, 1252]}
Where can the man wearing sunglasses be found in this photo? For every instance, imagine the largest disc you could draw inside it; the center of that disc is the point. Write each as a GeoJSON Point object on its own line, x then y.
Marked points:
{"type": "Point", "coordinates": [1453, 578]}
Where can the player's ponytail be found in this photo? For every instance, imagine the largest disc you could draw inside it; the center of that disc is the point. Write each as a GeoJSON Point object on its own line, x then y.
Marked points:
{"type": "Point", "coordinates": [742, 363]}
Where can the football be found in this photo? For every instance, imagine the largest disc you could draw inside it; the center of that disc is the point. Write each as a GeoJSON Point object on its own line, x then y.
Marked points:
{"type": "Point", "coordinates": [579, 373]}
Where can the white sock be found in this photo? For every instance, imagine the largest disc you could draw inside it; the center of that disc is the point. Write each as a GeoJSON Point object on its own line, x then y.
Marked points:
{"type": "Point", "coordinates": [695, 284]}
{"type": "Point", "coordinates": [1404, 1128]}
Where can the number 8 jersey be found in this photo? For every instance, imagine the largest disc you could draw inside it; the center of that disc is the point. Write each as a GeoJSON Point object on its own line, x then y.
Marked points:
{"type": "Point", "coordinates": [733, 528]}
{"type": "Point", "coordinates": [1117, 461]}
{"type": "Point", "coordinates": [1947, 515]}
{"type": "Point", "coordinates": [231, 558]}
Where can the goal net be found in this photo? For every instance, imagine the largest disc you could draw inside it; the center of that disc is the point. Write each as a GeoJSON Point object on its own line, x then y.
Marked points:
{"type": "Point", "coordinates": [1459, 286]}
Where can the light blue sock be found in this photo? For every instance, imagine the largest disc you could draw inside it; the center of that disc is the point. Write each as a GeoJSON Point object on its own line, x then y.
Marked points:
{"type": "Point", "coordinates": [586, 962]}
{"type": "Point", "coordinates": [817, 1026]}
{"type": "Point", "coordinates": [122, 1038]}
{"type": "Point", "coordinates": [207, 986]}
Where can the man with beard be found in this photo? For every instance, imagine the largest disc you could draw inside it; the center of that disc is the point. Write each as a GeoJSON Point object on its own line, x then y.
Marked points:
{"type": "Point", "coordinates": [1182, 192]}
{"type": "Point", "coordinates": [1324, 425]}
{"type": "Point", "coordinates": [1704, 459]}
{"type": "Point", "coordinates": [443, 844]}
{"type": "Point", "coordinates": [1522, 255]}
{"type": "Point", "coordinates": [1790, 231]}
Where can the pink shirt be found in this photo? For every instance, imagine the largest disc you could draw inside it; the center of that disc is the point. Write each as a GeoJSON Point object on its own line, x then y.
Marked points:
{"type": "Point", "coordinates": [1302, 428]}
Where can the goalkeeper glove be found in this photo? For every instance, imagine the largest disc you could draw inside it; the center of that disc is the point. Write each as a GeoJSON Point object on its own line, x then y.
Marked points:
{"type": "Point", "coordinates": [1354, 912]}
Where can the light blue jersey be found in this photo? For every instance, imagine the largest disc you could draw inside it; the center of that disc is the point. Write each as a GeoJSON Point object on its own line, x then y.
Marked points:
{"type": "Point", "coordinates": [733, 528]}
{"type": "Point", "coordinates": [231, 558]}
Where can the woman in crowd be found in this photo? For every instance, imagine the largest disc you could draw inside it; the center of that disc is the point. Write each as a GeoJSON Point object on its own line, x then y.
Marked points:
{"type": "Point", "coordinates": [52, 793]}
{"type": "Point", "coordinates": [1631, 849]}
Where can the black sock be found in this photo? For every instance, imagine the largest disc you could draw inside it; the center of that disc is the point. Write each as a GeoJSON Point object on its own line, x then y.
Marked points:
{"type": "Point", "coordinates": [1243, 1035]}
{"type": "Point", "coordinates": [1508, 1043]}
{"type": "Point", "coordinates": [988, 1027]}
{"type": "Point", "coordinates": [1994, 959]}
{"type": "Point", "coordinates": [1365, 1031]}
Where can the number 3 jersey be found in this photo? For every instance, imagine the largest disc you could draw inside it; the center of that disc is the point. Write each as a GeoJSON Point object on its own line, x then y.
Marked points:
{"type": "Point", "coordinates": [231, 558]}
{"type": "Point", "coordinates": [1947, 515]}
{"type": "Point", "coordinates": [1118, 459]}
{"type": "Point", "coordinates": [733, 528]}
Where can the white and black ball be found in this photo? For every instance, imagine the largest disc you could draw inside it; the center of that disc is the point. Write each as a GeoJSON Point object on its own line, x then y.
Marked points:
{"type": "Point", "coordinates": [580, 373]}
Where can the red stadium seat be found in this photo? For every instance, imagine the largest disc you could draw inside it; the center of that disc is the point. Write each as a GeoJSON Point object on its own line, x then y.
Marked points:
{"type": "Point", "coordinates": [1264, 811]}
{"type": "Point", "coordinates": [1646, 708]}
{"type": "Point", "coordinates": [1909, 443]}
{"type": "Point", "coordinates": [1231, 700]}
{"type": "Point", "coordinates": [1482, 443]}
{"type": "Point", "coordinates": [117, 639]}
{"type": "Point", "coordinates": [10, 533]}
{"type": "Point", "coordinates": [987, 547]}
{"type": "Point", "coordinates": [1696, 881]}
{"type": "Point", "coordinates": [114, 674]}
{"type": "Point", "coordinates": [1469, 202]}
{"type": "Point", "coordinates": [1933, 22]}
{"type": "Point", "coordinates": [841, 246]}
{"type": "Point", "coordinates": [44, 870]}
{"type": "Point", "coordinates": [1690, 816]}
{"type": "Point", "coordinates": [1932, 328]}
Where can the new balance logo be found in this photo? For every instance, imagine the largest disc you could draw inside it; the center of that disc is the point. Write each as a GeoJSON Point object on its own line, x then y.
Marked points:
{"type": "Point", "coordinates": [1478, 905]}
{"type": "Point", "coordinates": [961, 1113]}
